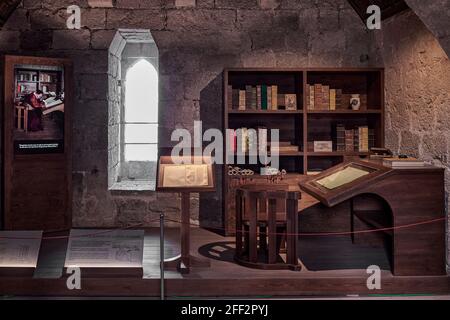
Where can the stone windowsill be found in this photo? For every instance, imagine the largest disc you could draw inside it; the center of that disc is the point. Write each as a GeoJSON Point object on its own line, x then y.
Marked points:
{"type": "Point", "coordinates": [134, 185]}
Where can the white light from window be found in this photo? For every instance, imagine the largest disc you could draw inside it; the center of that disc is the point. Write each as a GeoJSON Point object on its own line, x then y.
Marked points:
{"type": "Point", "coordinates": [141, 152]}
{"type": "Point", "coordinates": [141, 108]}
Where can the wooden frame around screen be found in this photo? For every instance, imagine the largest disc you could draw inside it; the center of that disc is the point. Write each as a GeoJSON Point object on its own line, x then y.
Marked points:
{"type": "Point", "coordinates": [63, 161]}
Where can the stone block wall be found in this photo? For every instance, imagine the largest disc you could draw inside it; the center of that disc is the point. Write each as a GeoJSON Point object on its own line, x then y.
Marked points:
{"type": "Point", "coordinates": [196, 43]}
{"type": "Point", "coordinates": [114, 109]}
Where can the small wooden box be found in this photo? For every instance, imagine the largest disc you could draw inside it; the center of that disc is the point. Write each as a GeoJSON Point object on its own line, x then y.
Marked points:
{"type": "Point", "coordinates": [323, 146]}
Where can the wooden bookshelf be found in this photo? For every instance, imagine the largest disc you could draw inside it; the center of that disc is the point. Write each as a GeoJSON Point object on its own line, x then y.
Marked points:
{"type": "Point", "coordinates": [32, 78]}
{"type": "Point", "coordinates": [303, 126]}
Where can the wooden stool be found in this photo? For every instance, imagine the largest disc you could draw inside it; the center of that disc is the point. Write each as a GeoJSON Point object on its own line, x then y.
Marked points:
{"type": "Point", "coordinates": [22, 115]}
{"type": "Point", "coordinates": [258, 213]}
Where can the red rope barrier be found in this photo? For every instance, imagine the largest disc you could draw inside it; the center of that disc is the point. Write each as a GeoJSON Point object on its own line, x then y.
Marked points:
{"type": "Point", "coordinates": [82, 236]}
{"type": "Point", "coordinates": [314, 234]}
{"type": "Point", "coordinates": [411, 225]}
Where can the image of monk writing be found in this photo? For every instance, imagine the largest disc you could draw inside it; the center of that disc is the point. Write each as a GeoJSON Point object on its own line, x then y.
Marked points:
{"type": "Point", "coordinates": [35, 104]}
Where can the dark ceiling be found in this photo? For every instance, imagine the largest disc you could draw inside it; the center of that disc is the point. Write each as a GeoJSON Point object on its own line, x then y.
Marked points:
{"type": "Point", "coordinates": [388, 8]}
{"type": "Point", "coordinates": [6, 8]}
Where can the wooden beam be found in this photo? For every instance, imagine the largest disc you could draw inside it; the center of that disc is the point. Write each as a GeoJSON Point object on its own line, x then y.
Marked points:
{"type": "Point", "coordinates": [388, 8]}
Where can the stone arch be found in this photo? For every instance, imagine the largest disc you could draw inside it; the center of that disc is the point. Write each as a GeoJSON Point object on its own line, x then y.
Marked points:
{"type": "Point", "coordinates": [128, 47]}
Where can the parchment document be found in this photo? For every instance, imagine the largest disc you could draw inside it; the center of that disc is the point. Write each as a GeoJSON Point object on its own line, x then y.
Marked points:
{"type": "Point", "coordinates": [105, 249]}
{"type": "Point", "coordinates": [19, 249]}
{"type": "Point", "coordinates": [342, 177]}
{"type": "Point", "coordinates": [185, 175]}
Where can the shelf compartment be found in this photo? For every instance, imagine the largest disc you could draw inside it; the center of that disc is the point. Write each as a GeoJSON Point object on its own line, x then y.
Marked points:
{"type": "Point", "coordinates": [363, 82]}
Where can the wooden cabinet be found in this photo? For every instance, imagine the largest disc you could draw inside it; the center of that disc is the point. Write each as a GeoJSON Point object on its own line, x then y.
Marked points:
{"type": "Point", "coordinates": [37, 156]}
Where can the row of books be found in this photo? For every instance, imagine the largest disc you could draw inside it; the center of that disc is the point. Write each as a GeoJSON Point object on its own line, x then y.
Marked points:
{"type": "Point", "coordinates": [23, 89]}
{"type": "Point", "coordinates": [46, 77]}
{"type": "Point", "coordinates": [359, 139]}
{"type": "Point", "coordinates": [255, 143]}
{"type": "Point", "coordinates": [322, 97]}
{"type": "Point", "coordinates": [245, 141]}
{"type": "Point", "coordinates": [261, 97]}
{"type": "Point", "coordinates": [27, 76]}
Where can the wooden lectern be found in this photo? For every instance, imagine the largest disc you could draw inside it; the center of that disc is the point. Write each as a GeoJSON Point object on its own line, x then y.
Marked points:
{"type": "Point", "coordinates": [185, 175]}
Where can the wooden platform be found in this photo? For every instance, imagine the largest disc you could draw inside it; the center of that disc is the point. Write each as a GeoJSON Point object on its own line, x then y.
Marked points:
{"type": "Point", "coordinates": [337, 270]}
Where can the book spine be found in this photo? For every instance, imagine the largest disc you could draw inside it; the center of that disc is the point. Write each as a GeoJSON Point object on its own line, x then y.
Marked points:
{"type": "Point", "coordinates": [235, 102]}
{"type": "Point", "coordinates": [340, 137]}
{"type": "Point", "coordinates": [318, 96]}
{"type": "Point", "coordinates": [244, 146]}
{"type": "Point", "coordinates": [339, 99]}
{"type": "Point", "coordinates": [248, 97]}
{"type": "Point", "coordinates": [241, 99]}
{"type": "Point", "coordinates": [263, 97]}
{"type": "Point", "coordinates": [332, 99]}
{"type": "Point", "coordinates": [311, 97]}
{"type": "Point", "coordinates": [364, 137]}
{"type": "Point", "coordinates": [281, 101]}
{"type": "Point", "coordinates": [230, 97]}
{"type": "Point", "coordinates": [326, 97]}
{"type": "Point", "coordinates": [269, 97]}
{"type": "Point", "coordinates": [357, 139]}
{"type": "Point", "coordinates": [254, 98]}
{"type": "Point", "coordinates": [274, 97]}
{"type": "Point", "coordinates": [371, 138]}
{"type": "Point", "coordinates": [349, 143]}
{"type": "Point", "coordinates": [258, 97]}
{"type": "Point", "coordinates": [262, 140]}
{"type": "Point", "coordinates": [308, 101]}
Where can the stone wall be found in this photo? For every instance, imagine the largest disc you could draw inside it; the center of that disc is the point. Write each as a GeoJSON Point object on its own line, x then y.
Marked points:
{"type": "Point", "coordinates": [114, 108]}
{"type": "Point", "coordinates": [196, 43]}
{"type": "Point", "coordinates": [417, 85]}
{"type": "Point", "coordinates": [436, 16]}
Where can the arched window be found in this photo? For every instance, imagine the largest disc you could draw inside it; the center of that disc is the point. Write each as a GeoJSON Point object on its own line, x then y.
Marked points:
{"type": "Point", "coordinates": [141, 113]}
{"type": "Point", "coordinates": [133, 111]}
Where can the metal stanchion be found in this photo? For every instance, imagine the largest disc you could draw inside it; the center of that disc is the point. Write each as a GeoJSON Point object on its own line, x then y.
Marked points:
{"type": "Point", "coordinates": [161, 253]}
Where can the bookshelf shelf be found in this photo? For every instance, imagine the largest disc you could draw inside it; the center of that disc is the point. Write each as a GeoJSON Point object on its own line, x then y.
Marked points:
{"type": "Point", "coordinates": [310, 122]}
{"type": "Point", "coordinates": [271, 112]}
{"type": "Point", "coordinates": [346, 112]}
{"type": "Point", "coordinates": [337, 154]}
{"type": "Point", "coordinates": [283, 154]}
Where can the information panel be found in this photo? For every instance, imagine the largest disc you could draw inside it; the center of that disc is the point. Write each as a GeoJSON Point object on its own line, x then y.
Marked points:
{"type": "Point", "coordinates": [19, 249]}
{"type": "Point", "coordinates": [105, 248]}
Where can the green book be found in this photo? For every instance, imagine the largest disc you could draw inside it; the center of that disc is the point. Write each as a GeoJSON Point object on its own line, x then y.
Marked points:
{"type": "Point", "coordinates": [263, 97]}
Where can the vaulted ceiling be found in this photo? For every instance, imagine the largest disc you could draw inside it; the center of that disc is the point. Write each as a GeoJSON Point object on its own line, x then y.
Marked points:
{"type": "Point", "coordinates": [388, 8]}
{"type": "Point", "coordinates": [6, 9]}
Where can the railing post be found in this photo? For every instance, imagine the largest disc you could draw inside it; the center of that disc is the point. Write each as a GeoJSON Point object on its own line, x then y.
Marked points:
{"type": "Point", "coordinates": [161, 252]}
